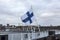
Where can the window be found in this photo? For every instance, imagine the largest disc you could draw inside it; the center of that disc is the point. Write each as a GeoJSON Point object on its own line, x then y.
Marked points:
{"type": "Point", "coordinates": [26, 35]}
{"type": "Point", "coordinates": [3, 37]}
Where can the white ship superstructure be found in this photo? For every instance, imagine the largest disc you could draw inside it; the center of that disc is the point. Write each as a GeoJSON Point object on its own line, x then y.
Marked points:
{"type": "Point", "coordinates": [12, 32]}
{"type": "Point", "coordinates": [20, 33]}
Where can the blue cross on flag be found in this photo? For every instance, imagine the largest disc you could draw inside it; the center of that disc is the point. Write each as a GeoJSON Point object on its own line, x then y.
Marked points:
{"type": "Point", "coordinates": [27, 18]}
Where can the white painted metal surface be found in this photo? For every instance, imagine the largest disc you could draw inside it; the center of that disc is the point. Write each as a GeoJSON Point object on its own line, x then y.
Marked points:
{"type": "Point", "coordinates": [26, 36]}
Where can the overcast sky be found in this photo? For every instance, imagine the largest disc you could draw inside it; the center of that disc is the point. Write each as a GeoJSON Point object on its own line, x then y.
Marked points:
{"type": "Point", "coordinates": [45, 11]}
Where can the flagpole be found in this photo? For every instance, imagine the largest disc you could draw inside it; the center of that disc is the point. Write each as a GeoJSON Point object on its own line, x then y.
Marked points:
{"type": "Point", "coordinates": [36, 22]}
{"type": "Point", "coordinates": [32, 30]}
{"type": "Point", "coordinates": [32, 11]}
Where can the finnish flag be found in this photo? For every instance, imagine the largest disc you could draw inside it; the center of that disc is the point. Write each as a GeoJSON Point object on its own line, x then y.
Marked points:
{"type": "Point", "coordinates": [28, 17]}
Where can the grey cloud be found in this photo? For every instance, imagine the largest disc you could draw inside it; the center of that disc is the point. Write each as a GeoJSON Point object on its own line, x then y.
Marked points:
{"type": "Point", "coordinates": [14, 9]}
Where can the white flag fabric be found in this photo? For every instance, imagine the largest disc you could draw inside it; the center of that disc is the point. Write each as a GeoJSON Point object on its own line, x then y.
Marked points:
{"type": "Point", "coordinates": [27, 18]}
